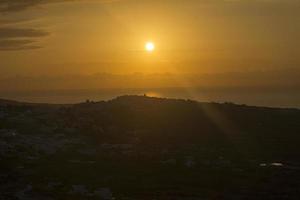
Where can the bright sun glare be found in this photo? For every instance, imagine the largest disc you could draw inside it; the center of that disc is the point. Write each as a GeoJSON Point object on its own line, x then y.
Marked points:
{"type": "Point", "coordinates": [150, 46]}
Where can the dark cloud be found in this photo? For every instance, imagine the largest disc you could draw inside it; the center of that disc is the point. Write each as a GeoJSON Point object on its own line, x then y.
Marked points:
{"type": "Point", "coordinates": [19, 38]}
{"type": "Point", "coordinates": [19, 32]}
{"type": "Point", "coordinates": [17, 44]}
{"type": "Point", "coordinates": [12, 38]}
{"type": "Point", "coordinates": [18, 5]}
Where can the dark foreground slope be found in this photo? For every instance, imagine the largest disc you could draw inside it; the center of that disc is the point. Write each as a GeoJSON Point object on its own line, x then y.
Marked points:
{"type": "Point", "coordinates": [136, 147]}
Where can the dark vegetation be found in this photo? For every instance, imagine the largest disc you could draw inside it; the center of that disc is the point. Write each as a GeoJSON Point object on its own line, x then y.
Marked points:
{"type": "Point", "coordinates": [137, 147]}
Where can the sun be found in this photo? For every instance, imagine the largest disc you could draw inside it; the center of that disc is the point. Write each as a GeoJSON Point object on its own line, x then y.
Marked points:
{"type": "Point", "coordinates": [149, 46]}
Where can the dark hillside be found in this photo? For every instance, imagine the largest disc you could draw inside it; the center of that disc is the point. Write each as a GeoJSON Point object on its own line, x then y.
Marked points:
{"type": "Point", "coordinates": [155, 121]}
{"type": "Point", "coordinates": [138, 147]}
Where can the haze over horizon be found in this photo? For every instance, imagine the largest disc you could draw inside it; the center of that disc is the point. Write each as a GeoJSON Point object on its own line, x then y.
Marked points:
{"type": "Point", "coordinates": [96, 44]}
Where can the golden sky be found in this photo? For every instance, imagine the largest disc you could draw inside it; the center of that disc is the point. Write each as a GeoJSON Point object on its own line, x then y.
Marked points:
{"type": "Point", "coordinates": [85, 37]}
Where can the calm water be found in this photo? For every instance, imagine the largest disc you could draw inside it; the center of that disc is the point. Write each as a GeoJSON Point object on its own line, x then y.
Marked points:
{"type": "Point", "coordinates": [261, 98]}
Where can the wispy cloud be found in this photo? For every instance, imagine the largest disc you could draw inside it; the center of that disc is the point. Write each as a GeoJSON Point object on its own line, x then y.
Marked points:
{"type": "Point", "coordinates": [21, 32]}
{"type": "Point", "coordinates": [12, 37]}
{"type": "Point", "coordinates": [19, 38]}
{"type": "Point", "coordinates": [17, 44]}
{"type": "Point", "coordinates": [19, 5]}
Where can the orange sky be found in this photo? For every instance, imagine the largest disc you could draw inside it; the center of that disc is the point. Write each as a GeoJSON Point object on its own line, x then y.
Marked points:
{"type": "Point", "coordinates": [62, 38]}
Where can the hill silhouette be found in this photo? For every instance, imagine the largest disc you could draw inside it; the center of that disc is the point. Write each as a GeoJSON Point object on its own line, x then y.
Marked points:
{"type": "Point", "coordinates": [170, 121]}
{"type": "Point", "coordinates": [140, 147]}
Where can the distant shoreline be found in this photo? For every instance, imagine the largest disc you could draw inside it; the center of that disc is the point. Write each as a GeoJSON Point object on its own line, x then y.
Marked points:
{"type": "Point", "coordinates": [8, 101]}
{"type": "Point", "coordinates": [281, 99]}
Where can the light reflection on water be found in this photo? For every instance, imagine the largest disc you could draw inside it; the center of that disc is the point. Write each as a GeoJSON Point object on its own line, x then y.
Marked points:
{"type": "Point", "coordinates": [275, 164]}
{"type": "Point", "coordinates": [154, 94]}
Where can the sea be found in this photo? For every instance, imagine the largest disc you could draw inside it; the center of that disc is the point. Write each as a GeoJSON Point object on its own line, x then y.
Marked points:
{"type": "Point", "coordinates": [283, 99]}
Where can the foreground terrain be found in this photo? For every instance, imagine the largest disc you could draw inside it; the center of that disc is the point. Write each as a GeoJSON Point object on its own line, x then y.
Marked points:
{"type": "Point", "coordinates": [137, 147]}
